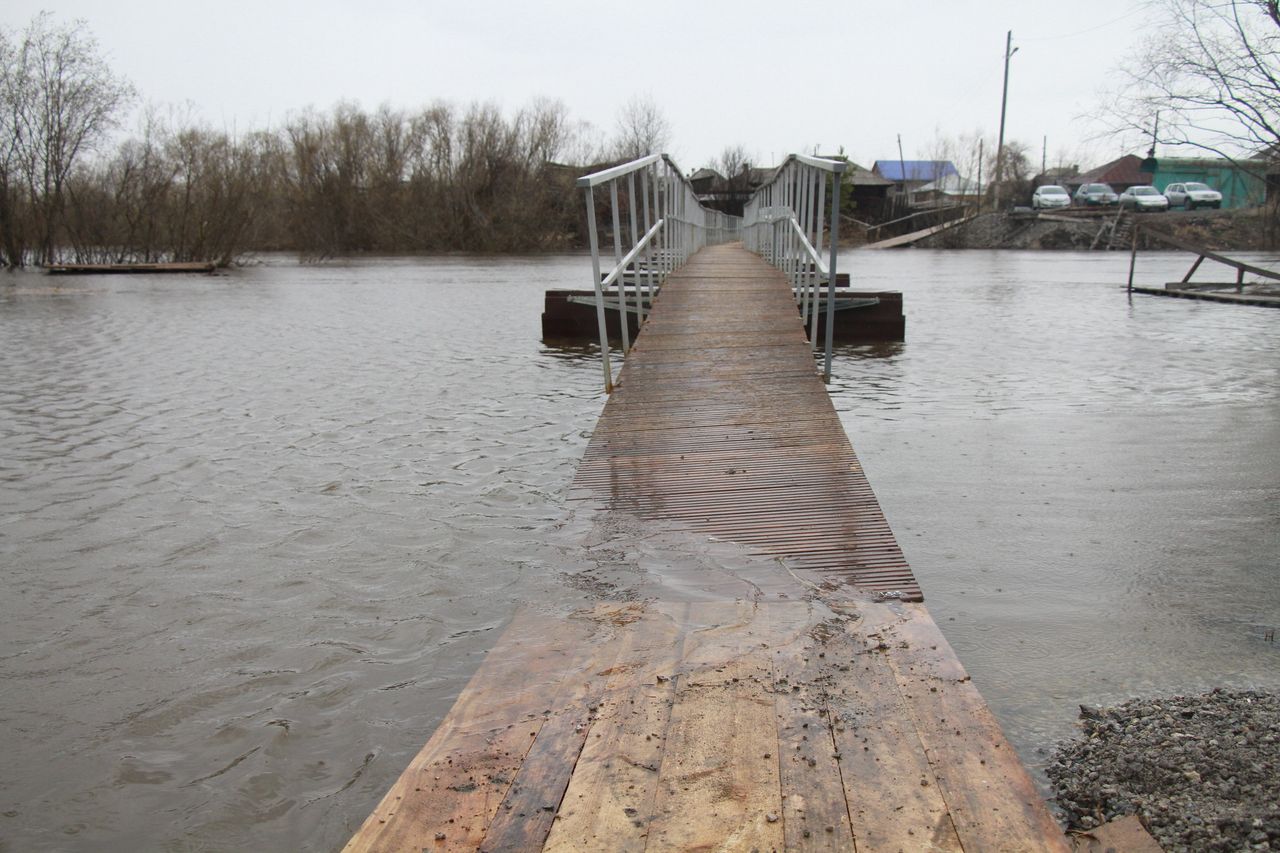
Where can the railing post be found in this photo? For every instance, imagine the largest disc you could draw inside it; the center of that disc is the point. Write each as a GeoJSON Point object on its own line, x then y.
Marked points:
{"type": "Point", "coordinates": [808, 272]}
{"type": "Point", "coordinates": [1133, 255]}
{"type": "Point", "coordinates": [617, 259]}
{"type": "Point", "coordinates": [595, 278]}
{"type": "Point", "coordinates": [817, 245]}
{"type": "Point", "coordinates": [635, 240]}
{"type": "Point", "coordinates": [648, 223]}
{"type": "Point", "coordinates": [831, 269]}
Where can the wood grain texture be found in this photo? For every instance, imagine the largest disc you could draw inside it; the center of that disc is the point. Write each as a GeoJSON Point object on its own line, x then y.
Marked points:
{"type": "Point", "coordinates": [718, 784]}
{"type": "Point", "coordinates": [609, 803]}
{"type": "Point", "coordinates": [815, 811]}
{"type": "Point", "coordinates": [991, 798]}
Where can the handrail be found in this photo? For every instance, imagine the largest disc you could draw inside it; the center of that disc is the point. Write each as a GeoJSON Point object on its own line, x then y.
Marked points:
{"type": "Point", "coordinates": [631, 256]}
{"type": "Point", "coordinates": [597, 178]}
{"type": "Point", "coordinates": [784, 223]}
{"type": "Point", "coordinates": [665, 229]}
{"type": "Point", "coordinates": [809, 249]}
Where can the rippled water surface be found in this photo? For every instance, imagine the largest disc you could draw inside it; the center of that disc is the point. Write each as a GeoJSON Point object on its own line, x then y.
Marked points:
{"type": "Point", "coordinates": [257, 530]}
{"type": "Point", "coordinates": [1087, 485]}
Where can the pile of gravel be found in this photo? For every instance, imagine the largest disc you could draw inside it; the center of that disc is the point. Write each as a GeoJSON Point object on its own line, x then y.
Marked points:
{"type": "Point", "coordinates": [1201, 772]}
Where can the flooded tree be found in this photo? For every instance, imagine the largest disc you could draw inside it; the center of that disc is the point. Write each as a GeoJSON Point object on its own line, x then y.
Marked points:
{"type": "Point", "coordinates": [60, 100]}
{"type": "Point", "coordinates": [347, 180]}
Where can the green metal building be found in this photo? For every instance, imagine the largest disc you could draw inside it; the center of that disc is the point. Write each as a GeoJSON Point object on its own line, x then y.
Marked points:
{"type": "Point", "coordinates": [1241, 183]}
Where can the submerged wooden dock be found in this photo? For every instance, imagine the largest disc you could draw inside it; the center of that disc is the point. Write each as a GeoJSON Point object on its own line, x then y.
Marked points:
{"type": "Point", "coordinates": [132, 268]}
{"type": "Point", "coordinates": [822, 710]}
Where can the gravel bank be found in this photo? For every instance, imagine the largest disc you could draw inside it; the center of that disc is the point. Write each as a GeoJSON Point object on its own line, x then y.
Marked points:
{"type": "Point", "coordinates": [1202, 772]}
{"type": "Point", "coordinates": [1220, 230]}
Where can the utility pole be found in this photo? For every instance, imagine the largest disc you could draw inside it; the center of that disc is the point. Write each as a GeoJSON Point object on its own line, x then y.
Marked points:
{"type": "Point", "coordinates": [902, 164]}
{"type": "Point", "coordinates": [1044, 155]}
{"type": "Point", "coordinates": [981, 195]}
{"type": "Point", "coordinates": [1009, 51]}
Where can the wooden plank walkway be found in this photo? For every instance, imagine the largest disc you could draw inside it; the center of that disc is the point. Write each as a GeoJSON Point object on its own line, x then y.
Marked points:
{"type": "Point", "coordinates": [822, 711]}
{"type": "Point", "coordinates": [718, 421]}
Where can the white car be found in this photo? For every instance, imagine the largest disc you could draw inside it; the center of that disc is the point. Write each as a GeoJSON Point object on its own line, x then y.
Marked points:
{"type": "Point", "coordinates": [1143, 198]}
{"type": "Point", "coordinates": [1050, 196]}
{"type": "Point", "coordinates": [1192, 195]}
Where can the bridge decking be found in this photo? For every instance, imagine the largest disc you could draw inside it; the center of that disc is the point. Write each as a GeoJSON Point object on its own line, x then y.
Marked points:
{"type": "Point", "coordinates": [815, 713]}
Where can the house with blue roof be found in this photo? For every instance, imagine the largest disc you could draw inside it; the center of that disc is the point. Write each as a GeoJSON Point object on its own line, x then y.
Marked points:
{"type": "Point", "coordinates": [909, 175]}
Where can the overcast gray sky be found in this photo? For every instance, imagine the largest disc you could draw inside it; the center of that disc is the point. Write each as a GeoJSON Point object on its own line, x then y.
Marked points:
{"type": "Point", "coordinates": [776, 77]}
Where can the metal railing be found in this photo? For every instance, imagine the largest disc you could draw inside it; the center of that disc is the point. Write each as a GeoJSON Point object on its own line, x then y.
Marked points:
{"type": "Point", "coordinates": [664, 224]}
{"type": "Point", "coordinates": [784, 222]}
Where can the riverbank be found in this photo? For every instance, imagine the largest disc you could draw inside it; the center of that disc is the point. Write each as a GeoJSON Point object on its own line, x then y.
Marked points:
{"type": "Point", "coordinates": [1221, 230]}
{"type": "Point", "coordinates": [1201, 772]}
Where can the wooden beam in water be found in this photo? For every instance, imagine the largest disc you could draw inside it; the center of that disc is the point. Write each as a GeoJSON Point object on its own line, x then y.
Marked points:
{"type": "Point", "coordinates": [118, 269]}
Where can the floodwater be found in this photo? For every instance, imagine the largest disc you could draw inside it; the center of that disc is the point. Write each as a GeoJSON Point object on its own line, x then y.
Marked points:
{"type": "Point", "coordinates": [257, 530]}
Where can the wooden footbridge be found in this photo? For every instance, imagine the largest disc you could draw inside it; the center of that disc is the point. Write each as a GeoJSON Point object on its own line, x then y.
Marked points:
{"type": "Point", "coordinates": [821, 710]}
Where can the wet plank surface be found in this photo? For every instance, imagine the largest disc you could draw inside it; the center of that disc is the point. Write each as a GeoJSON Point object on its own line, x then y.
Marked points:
{"type": "Point", "coordinates": [719, 421]}
{"type": "Point", "coordinates": [743, 725]}
{"type": "Point", "coordinates": [815, 713]}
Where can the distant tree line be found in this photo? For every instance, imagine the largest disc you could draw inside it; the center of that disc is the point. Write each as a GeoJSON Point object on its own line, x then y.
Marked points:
{"type": "Point", "coordinates": [349, 180]}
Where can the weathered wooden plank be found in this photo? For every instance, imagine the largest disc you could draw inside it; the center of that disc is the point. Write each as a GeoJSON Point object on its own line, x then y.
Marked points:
{"type": "Point", "coordinates": [524, 819]}
{"type": "Point", "coordinates": [815, 814]}
{"type": "Point", "coordinates": [894, 799]}
{"type": "Point", "coordinates": [718, 784]}
{"type": "Point", "coordinates": [609, 802]}
{"type": "Point", "coordinates": [451, 789]}
{"type": "Point", "coordinates": [991, 798]}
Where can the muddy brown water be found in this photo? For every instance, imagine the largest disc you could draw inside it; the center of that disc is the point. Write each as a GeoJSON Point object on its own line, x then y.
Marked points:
{"type": "Point", "coordinates": [257, 530]}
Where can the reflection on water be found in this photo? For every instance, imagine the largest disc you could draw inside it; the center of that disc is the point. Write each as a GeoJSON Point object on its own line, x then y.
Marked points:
{"type": "Point", "coordinates": [257, 530]}
{"type": "Point", "coordinates": [880, 349]}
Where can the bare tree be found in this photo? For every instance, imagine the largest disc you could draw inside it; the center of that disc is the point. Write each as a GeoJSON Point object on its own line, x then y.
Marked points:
{"type": "Point", "coordinates": [63, 100]}
{"type": "Point", "coordinates": [1211, 70]}
{"type": "Point", "coordinates": [13, 129]}
{"type": "Point", "coordinates": [734, 165]}
{"type": "Point", "coordinates": [642, 130]}
{"type": "Point", "coordinates": [1015, 182]}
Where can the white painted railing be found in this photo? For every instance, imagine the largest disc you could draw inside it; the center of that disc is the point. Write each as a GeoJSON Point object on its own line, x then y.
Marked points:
{"type": "Point", "coordinates": [784, 222]}
{"type": "Point", "coordinates": [653, 209]}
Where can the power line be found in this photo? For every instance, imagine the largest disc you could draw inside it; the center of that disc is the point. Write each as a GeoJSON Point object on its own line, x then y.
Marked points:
{"type": "Point", "coordinates": [1128, 14]}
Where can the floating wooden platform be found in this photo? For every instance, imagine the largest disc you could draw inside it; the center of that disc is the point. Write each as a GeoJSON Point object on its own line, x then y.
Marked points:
{"type": "Point", "coordinates": [1175, 290]}
{"type": "Point", "coordinates": [821, 711]}
{"type": "Point", "coordinates": [570, 315]}
{"type": "Point", "coordinates": [107, 269]}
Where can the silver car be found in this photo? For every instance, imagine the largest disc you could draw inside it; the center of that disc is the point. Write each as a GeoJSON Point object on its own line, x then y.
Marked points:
{"type": "Point", "coordinates": [1192, 195]}
{"type": "Point", "coordinates": [1095, 195]}
{"type": "Point", "coordinates": [1143, 198]}
{"type": "Point", "coordinates": [1050, 196]}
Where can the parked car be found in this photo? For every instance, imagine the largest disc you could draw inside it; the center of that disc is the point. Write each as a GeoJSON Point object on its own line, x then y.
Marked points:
{"type": "Point", "coordinates": [1143, 198]}
{"type": "Point", "coordinates": [1050, 196]}
{"type": "Point", "coordinates": [1095, 195]}
{"type": "Point", "coordinates": [1192, 195]}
